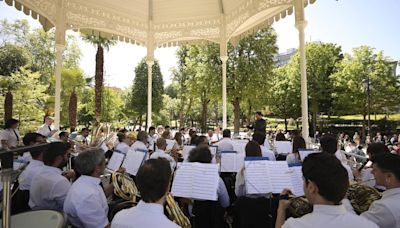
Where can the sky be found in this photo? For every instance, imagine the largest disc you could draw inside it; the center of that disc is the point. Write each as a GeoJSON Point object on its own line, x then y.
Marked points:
{"type": "Point", "coordinates": [348, 23]}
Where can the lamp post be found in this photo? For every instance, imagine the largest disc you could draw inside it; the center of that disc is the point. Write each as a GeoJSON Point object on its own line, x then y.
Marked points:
{"type": "Point", "coordinates": [367, 86]}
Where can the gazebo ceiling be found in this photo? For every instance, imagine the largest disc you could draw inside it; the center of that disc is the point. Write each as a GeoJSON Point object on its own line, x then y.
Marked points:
{"type": "Point", "coordinates": [163, 22]}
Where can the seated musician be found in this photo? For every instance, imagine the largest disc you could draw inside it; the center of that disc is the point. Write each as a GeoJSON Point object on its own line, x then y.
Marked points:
{"type": "Point", "coordinates": [160, 153]}
{"type": "Point", "coordinates": [49, 187]}
{"type": "Point", "coordinates": [325, 185]}
{"type": "Point", "coordinates": [365, 175]}
{"type": "Point", "coordinates": [153, 182]}
{"type": "Point", "coordinates": [260, 138]}
{"type": "Point", "coordinates": [294, 157]}
{"type": "Point", "coordinates": [86, 204]}
{"type": "Point", "coordinates": [329, 144]}
{"type": "Point", "coordinates": [21, 198]}
{"type": "Point", "coordinates": [124, 144]}
{"type": "Point", "coordinates": [141, 142]}
{"type": "Point", "coordinates": [386, 211]}
{"type": "Point", "coordinates": [225, 144]}
{"type": "Point", "coordinates": [209, 213]}
{"type": "Point", "coordinates": [252, 150]}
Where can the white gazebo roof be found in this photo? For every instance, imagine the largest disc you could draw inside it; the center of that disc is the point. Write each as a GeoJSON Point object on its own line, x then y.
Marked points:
{"type": "Point", "coordinates": [166, 22]}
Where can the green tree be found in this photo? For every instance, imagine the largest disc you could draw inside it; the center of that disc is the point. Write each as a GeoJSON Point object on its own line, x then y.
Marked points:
{"type": "Point", "coordinates": [321, 63]}
{"type": "Point", "coordinates": [203, 65]}
{"type": "Point", "coordinates": [284, 98]}
{"type": "Point", "coordinates": [250, 66]}
{"type": "Point", "coordinates": [100, 43]}
{"type": "Point", "coordinates": [138, 99]}
{"type": "Point", "coordinates": [349, 92]}
{"type": "Point", "coordinates": [12, 58]}
{"type": "Point", "coordinates": [29, 98]}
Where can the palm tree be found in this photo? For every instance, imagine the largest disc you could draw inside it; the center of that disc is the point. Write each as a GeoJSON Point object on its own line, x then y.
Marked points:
{"type": "Point", "coordinates": [101, 43]}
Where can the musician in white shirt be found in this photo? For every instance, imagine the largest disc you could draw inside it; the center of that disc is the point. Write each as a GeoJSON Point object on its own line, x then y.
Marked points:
{"type": "Point", "coordinates": [86, 204]}
{"type": "Point", "coordinates": [153, 182]}
{"type": "Point", "coordinates": [160, 153]}
{"type": "Point", "coordinates": [152, 138]}
{"type": "Point", "coordinates": [124, 144]}
{"type": "Point", "coordinates": [46, 128]}
{"type": "Point", "coordinates": [49, 187]}
{"type": "Point", "coordinates": [325, 185]}
{"type": "Point", "coordinates": [259, 137]}
{"type": "Point", "coordinates": [386, 211]}
{"type": "Point", "coordinates": [225, 144]}
{"type": "Point", "coordinates": [10, 137]}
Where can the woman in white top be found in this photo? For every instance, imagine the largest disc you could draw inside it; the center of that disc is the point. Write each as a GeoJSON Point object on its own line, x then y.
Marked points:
{"type": "Point", "coordinates": [294, 157]}
{"type": "Point", "coordinates": [10, 136]}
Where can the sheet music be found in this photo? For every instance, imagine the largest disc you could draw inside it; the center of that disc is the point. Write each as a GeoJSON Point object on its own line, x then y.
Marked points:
{"type": "Point", "coordinates": [170, 144]}
{"type": "Point", "coordinates": [305, 152]}
{"type": "Point", "coordinates": [239, 148]}
{"type": "Point", "coordinates": [263, 176]}
{"type": "Point", "coordinates": [115, 161]}
{"type": "Point", "coordinates": [256, 178]}
{"type": "Point", "coordinates": [228, 162]}
{"type": "Point", "coordinates": [133, 161]}
{"type": "Point", "coordinates": [296, 176]}
{"type": "Point", "coordinates": [186, 150]}
{"type": "Point", "coordinates": [278, 171]}
{"type": "Point", "coordinates": [283, 147]}
{"type": "Point", "coordinates": [196, 180]}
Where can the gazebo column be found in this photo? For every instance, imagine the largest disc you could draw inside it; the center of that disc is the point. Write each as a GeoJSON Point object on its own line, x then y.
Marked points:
{"type": "Point", "coordinates": [301, 24]}
{"type": "Point", "coordinates": [150, 63]}
{"type": "Point", "coordinates": [60, 45]}
{"type": "Point", "coordinates": [224, 59]}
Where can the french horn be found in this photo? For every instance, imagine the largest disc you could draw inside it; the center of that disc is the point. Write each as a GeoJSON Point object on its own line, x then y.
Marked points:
{"type": "Point", "coordinates": [124, 187]}
{"type": "Point", "coordinates": [362, 196]}
{"type": "Point", "coordinates": [176, 214]}
{"type": "Point", "coordinates": [298, 206]}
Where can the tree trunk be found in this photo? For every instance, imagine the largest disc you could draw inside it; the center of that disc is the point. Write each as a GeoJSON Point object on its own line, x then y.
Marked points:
{"type": "Point", "coordinates": [216, 114]}
{"type": "Point", "coordinates": [8, 106]}
{"type": "Point", "coordinates": [286, 123]}
{"type": "Point", "coordinates": [204, 107]}
{"type": "Point", "coordinates": [72, 108]}
{"type": "Point", "coordinates": [99, 81]}
{"type": "Point", "coordinates": [236, 113]}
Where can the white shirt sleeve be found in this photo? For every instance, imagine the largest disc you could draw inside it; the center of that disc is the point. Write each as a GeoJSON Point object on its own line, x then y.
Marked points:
{"type": "Point", "coordinates": [90, 215]}
{"type": "Point", "coordinates": [223, 196]}
{"type": "Point", "coordinates": [380, 215]}
{"type": "Point", "coordinates": [60, 191]}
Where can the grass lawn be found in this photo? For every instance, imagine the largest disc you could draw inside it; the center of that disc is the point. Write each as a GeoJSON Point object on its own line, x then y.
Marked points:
{"type": "Point", "coordinates": [395, 117]}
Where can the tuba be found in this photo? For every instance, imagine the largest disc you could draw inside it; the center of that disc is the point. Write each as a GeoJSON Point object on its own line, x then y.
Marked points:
{"type": "Point", "coordinates": [176, 214]}
{"type": "Point", "coordinates": [124, 187]}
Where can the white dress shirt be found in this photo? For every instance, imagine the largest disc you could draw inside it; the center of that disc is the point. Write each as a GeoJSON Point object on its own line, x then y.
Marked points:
{"type": "Point", "coordinates": [86, 204]}
{"type": "Point", "coordinates": [329, 216]}
{"type": "Point", "coordinates": [122, 147]}
{"type": "Point", "coordinates": [48, 189]}
{"type": "Point", "coordinates": [44, 130]}
{"type": "Point", "coordinates": [386, 211]}
{"type": "Point", "coordinates": [146, 215]}
{"type": "Point", "coordinates": [25, 179]}
{"type": "Point", "coordinates": [161, 154]}
{"type": "Point", "coordinates": [139, 145]}
{"type": "Point", "coordinates": [225, 144]}
{"type": "Point", "coordinates": [11, 136]}
{"type": "Point", "coordinates": [267, 153]}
